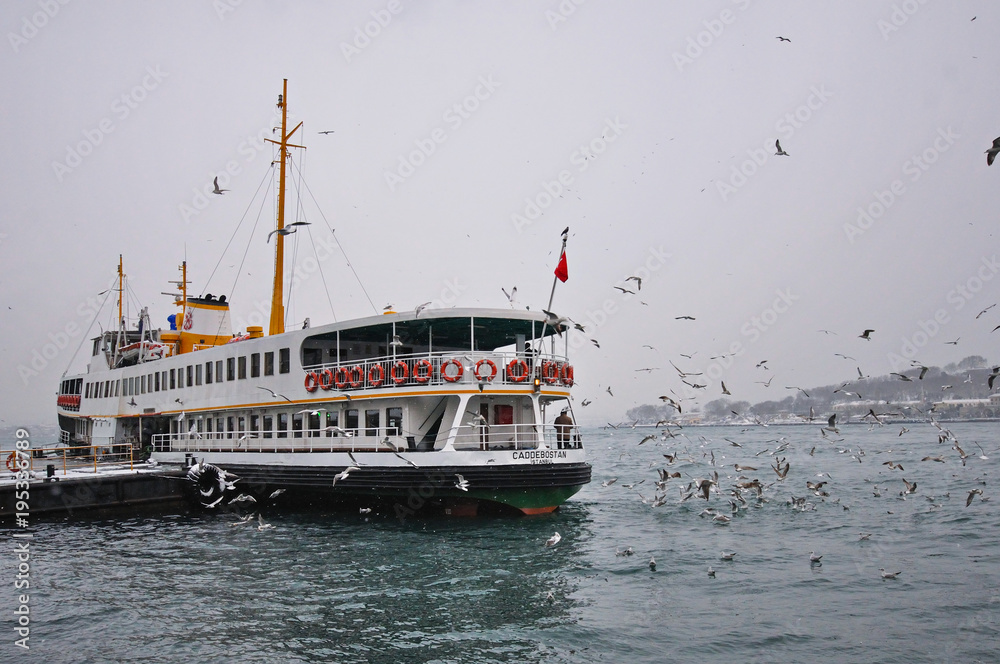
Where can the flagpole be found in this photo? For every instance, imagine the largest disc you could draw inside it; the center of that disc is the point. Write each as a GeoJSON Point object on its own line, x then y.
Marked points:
{"type": "Point", "coordinates": [555, 280]}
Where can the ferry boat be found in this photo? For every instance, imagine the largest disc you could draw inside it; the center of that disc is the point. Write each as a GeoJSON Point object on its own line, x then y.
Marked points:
{"type": "Point", "coordinates": [449, 409]}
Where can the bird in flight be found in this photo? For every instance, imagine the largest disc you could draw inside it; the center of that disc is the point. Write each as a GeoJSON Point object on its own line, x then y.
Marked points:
{"type": "Point", "coordinates": [625, 290]}
{"type": "Point", "coordinates": [985, 310]}
{"type": "Point", "coordinates": [637, 280]}
{"type": "Point", "coordinates": [328, 131]}
{"type": "Point", "coordinates": [780, 38]}
{"type": "Point", "coordinates": [992, 152]}
{"type": "Point", "coordinates": [511, 295]}
{"type": "Point", "coordinates": [285, 231]}
{"type": "Point", "coordinates": [684, 318]}
{"type": "Point", "coordinates": [865, 335]}
{"type": "Point", "coordinates": [777, 144]}
{"type": "Point", "coordinates": [552, 541]}
{"type": "Point", "coordinates": [273, 393]}
{"type": "Point", "coordinates": [219, 191]}
{"type": "Point", "coordinates": [419, 308]}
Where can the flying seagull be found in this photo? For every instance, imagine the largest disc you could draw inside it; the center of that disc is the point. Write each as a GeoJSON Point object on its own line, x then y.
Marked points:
{"type": "Point", "coordinates": [865, 335]}
{"type": "Point", "coordinates": [637, 280]}
{"type": "Point", "coordinates": [219, 191]}
{"type": "Point", "coordinates": [328, 131]}
{"type": "Point", "coordinates": [777, 144]}
{"type": "Point", "coordinates": [419, 308]}
{"type": "Point", "coordinates": [285, 231]}
{"type": "Point", "coordinates": [273, 393]}
{"type": "Point", "coordinates": [992, 152]}
{"type": "Point", "coordinates": [461, 483]}
{"type": "Point", "coordinates": [552, 541]}
{"type": "Point", "coordinates": [784, 39]}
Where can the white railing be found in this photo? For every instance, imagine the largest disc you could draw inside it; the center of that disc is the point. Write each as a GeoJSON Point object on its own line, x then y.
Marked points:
{"type": "Point", "coordinates": [467, 437]}
{"type": "Point", "coordinates": [440, 368]}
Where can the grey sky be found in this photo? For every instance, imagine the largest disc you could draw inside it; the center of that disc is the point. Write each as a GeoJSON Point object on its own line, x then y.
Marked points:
{"type": "Point", "coordinates": [667, 101]}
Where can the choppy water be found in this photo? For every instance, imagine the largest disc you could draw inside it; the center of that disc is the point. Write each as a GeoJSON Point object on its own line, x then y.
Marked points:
{"type": "Point", "coordinates": [325, 587]}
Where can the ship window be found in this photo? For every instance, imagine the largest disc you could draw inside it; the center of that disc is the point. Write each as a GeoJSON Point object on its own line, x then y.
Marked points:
{"type": "Point", "coordinates": [197, 374]}
{"type": "Point", "coordinates": [208, 373]}
{"type": "Point", "coordinates": [157, 381]}
{"type": "Point", "coordinates": [173, 379]}
{"type": "Point", "coordinates": [255, 365]}
{"type": "Point", "coordinates": [220, 426]}
{"type": "Point", "coordinates": [282, 425]}
{"type": "Point", "coordinates": [218, 371]}
{"type": "Point", "coordinates": [314, 423]}
{"type": "Point", "coordinates": [284, 360]}
{"type": "Point", "coordinates": [254, 423]}
{"type": "Point", "coordinates": [231, 368]}
{"type": "Point", "coordinates": [242, 424]}
{"type": "Point", "coordinates": [351, 421]}
{"type": "Point", "coordinates": [117, 387]}
{"type": "Point", "coordinates": [269, 363]}
{"type": "Point", "coordinates": [296, 423]}
{"type": "Point", "coordinates": [331, 421]}
{"type": "Point", "coordinates": [229, 426]}
{"type": "Point", "coordinates": [241, 366]}
{"type": "Point", "coordinates": [190, 373]}
{"type": "Point", "coordinates": [268, 426]}
{"type": "Point", "coordinates": [142, 385]}
{"type": "Point", "coordinates": [393, 421]}
{"type": "Point", "coordinates": [371, 422]}
{"type": "Point", "coordinates": [163, 379]}
{"type": "Point", "coordinates": [208, 426]}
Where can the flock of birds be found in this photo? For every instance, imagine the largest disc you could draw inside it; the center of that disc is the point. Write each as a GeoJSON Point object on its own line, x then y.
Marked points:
{"type": "Point", "coordinates": [699, 470]}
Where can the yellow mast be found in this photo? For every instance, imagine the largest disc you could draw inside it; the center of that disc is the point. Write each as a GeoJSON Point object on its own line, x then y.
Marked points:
{"type": "Point", "coordinates": [277, 325]}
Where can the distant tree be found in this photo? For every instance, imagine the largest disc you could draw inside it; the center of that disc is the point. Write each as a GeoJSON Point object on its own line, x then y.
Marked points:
{"type": "Point", "coordinates": [972, 362]}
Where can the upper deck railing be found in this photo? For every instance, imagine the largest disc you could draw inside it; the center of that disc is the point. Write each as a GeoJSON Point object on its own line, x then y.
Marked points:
{"type": "Point", "coordinates": [467, 437]}
{"type": "Point", "coordinates": [440, 368]}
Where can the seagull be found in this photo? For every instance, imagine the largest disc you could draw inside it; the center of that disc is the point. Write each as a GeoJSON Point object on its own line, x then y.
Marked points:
{"type": "Point", "coordinates": [684, 318]}
{"type": "Point", "coordinates": [419, 308]}
{"type": "Point", "coordinates": [275, 494]}
{"type": "Point", "coordinates": [777, 144]}
{"type": "Point", "coordinates": [262, 526]}
{"type": "Point", "coordinates": [624, 290]}
{"type": "Point", "coordinates": [285, 231]}
{"type": "Point", "coordinates": [343, 475]}
{"type": "Point", "coordinates": [585, 402]}
{"type": "Point", "coordinates": [711, 572]}
{"type": "Point", "coordinates": [552, 541]}
{"type": "Point", "coordinates": [992, 377]}
{"type": "Point", "coordinates": [784, 39]}
{"type": "Point", "coordinates": [132, 402]}
{"type": "Point", "coordinates": [985, 310]}
{"type": "Point", "coordinates": [461, 483]}
{"type": "Point", "coordinates": [328, 131]}
{"type": "Point", "coordinates": [652, 564]}
{"type": "Point", "coordinates": [610, 392]}
{"type": "Point", "coordinates": [273, 393]}
{"type": "Point", "coordinates": [336, 429]}
{"type": "Point", "coordinates": [511, 295]}
{"type": "Point", "coordinates": [609, 482]}
{"type": "Point", "coordinates": [814, 559]}
{"type": "Point", "coordinates": [865, 335]}
{"type": "Point", "coordinates": [396, 341]}
{"type": "Point", "coordinates": [724, 390]}
{"type": "Point", "coordinates": [832, 424]}
{"type": "Point", "coordinates": [864, 537]}
{"type": "Point", "coordinates": [888, 575]}
{"type": "Point", "coordinates": [728, 556]}
{"type": "Point", "coordinates": [968, 501]}
{"type": "Point", "coordinates": [910, 488]}
{"type": "Point", "coordinates": [219, 191]}
{"type": "Point", "coordinates": [637, 280]}
{"type": "Point", "coordinates": [992, 152]}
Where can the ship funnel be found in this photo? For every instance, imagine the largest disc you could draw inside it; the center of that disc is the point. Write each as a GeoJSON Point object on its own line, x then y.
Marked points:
{"type": "Point", "coordinates": [206, 323]}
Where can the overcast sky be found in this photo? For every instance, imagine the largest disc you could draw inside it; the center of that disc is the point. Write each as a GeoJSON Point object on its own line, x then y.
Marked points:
{"type": "Point", "coordinates": [467, 135]}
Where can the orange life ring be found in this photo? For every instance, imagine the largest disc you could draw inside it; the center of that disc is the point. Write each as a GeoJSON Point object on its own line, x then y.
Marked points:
{"type": "Point", "coordinates": [514, 378]}
{"type": "Point", "coordinates": [376, 368]}
{"type": "Point", "coordinates": [12, 462]}
{"type": "Point", "coordinates": [416, 371]}
{"type": "Point", "coordinates": [550, 372]}
{"type": "Point", "coordinates": [356, 376]}
{"type": "Point", "coordinates": [312, 381]}
{"type": "Point", "coordinates": [399, 379]}
{"type": "Point", "coordinates": [340, 377]}
{"type": "Point", "coordinates": [492, 366]}
{"type": "Point", "coordinates": [326, 379]}
{"type": "Point", "coordinates": [444, 374]}
{"type": "Point", "coordinates": [567, 375]}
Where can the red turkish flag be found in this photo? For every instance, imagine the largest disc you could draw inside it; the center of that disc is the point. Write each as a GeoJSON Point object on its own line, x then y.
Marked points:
{"type": "Point", "coordinates": [562, 272]}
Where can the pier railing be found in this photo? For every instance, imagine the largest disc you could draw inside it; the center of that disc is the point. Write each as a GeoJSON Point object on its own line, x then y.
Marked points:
{"type": "Point", "coordinates": [76, 457]}
{"type": "Point", "coordinates": [467, 437]}
{"type": "Point", "coordinates": [440, 368]}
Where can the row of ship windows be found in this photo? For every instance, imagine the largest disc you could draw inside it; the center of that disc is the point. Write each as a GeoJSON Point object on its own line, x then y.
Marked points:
{"type": "Point", "coordinates": [219, 371]}
{"type": "Point", "coordinates": [316, 423]}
